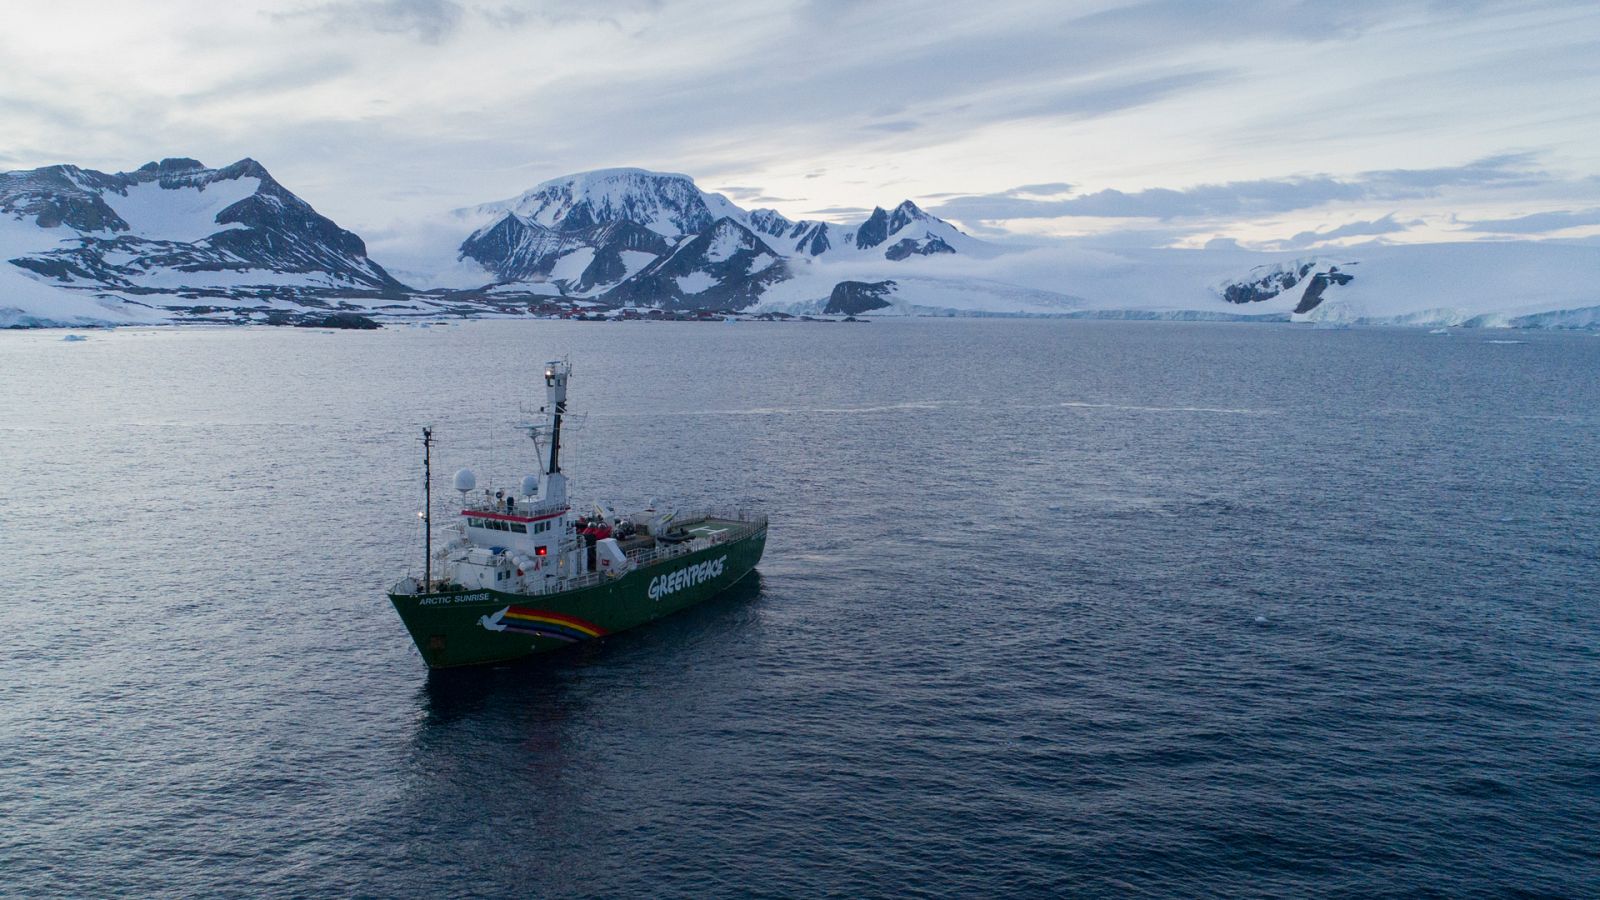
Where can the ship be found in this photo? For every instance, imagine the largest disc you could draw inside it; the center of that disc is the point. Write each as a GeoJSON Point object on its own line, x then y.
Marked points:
{"type": "Point", "coordinates": [520, 573]}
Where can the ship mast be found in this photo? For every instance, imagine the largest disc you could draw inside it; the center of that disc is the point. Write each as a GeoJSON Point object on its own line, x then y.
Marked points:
{"type": "Point", "coordinates": [555, 390]}
{"type": "Point", "coordinates": [427, 508]}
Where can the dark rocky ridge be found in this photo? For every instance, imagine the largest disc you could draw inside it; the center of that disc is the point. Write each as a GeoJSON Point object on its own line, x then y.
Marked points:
{"type": "Point", "coordinates": [906, 247]}
{"type": "Point", "coordinates": [736, 280]}
{"type": "Point", "coordinates": [854, 297]}
{"type": "Point", "coordinates": [339, 320]}
{"type": "Point", "coordinates": [516, 249]}
{"type": "Point", "coordinates": [874, 231]}
{"type": "Point", "coordinates": [1319, 283]}
{"type": "Point", "coordinates": [1275, 282]}
{"type": "Point", "coordinates": [771, 223]}
{"type": "Point", "coordinates": [814, 240]}
{"type": "Point", "coordinates": [1265, 287]}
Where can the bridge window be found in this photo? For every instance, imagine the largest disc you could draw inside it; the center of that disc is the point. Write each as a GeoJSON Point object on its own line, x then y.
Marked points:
{"type": "Point", "coordinates": [519, 528]}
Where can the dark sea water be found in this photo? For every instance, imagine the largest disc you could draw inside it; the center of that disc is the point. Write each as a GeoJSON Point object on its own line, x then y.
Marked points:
{"type": "Point", "coordinates": [1048, 607]}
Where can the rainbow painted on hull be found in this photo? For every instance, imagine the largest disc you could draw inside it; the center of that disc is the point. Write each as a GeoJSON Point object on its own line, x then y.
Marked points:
{"type": "Point", "coordinates": [542, 623]}
{"type": "Point", "coordinates": [464, 627]}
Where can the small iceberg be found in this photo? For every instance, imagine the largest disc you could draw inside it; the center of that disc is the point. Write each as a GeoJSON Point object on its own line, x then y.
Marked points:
{"type": "Point", "coordinates": [74, 338]}
{"type": "Point", "coordinates": [1440, 331]}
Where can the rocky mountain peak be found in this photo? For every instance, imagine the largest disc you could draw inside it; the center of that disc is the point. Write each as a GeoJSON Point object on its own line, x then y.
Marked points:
{"type": "Point", "coordinates": [904, 214]}
{"type": "Point", "coordinates": [874, 231]}
{"type": "Point", "coordinates": [172, 165]}
{"type": "Point", "coordinates": [770, 222]}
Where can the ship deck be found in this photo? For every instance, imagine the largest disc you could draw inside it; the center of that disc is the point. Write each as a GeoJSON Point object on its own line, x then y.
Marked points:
{"type": "Point", "coordinates": [700, 532]}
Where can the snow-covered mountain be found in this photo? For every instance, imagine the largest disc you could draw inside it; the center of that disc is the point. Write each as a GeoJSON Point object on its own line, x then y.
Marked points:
{"type": "Point", "coordinates": [663, 202]}
{"type": "Point", "coordinates": [175, 235]}
{"type": "Point", "coordinates": [1304, 281]}
{"type": "Point", "coordinates": [176, 241]}
{"type": "Point", "coordinates": [1517, 284]}
{"type": "Point", "coordinates": [636, 237]}
{"type": "Point", "coordinates": [904, 232]}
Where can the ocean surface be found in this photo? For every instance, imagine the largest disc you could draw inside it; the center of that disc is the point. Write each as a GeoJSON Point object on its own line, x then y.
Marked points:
{"type": "Point", "coordinates": [1049, 607]}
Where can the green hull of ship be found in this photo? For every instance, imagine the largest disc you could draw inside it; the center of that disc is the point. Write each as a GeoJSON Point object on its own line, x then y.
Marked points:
{"type": "Point", "coordinates": [449, 626]}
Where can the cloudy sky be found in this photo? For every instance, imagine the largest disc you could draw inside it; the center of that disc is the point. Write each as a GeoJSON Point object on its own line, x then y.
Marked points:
{"type": "Point", "coordinates": [1277, 123]}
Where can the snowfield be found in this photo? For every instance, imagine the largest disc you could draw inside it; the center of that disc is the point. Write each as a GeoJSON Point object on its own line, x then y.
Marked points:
{"type": "Point", "coordinates": [1523, 284]}
{"type": "Point", "coordinates": [184, 214]}
{"type": "Point", "coordinates": [695, 283]}
{"type": "Point", "coordinates": [1511, 284]}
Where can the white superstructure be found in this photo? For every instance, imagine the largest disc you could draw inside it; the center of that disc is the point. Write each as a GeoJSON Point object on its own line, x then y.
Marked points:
{"type": "Point", "coordinates": [528, 541]}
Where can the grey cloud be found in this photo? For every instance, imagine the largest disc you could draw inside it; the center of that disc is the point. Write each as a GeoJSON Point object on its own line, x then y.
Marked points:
{"type": "Point", "coordinates": [838, 211]}
{"type": "Point", "coordinates": [1191, 21]}
{"type": "Point", "coordinates": [1047, 189]}
{"type": "Point", "coordinates": [289, 75]}
{"type": "Point", "coordinates": [954, 78]}
{"type": "Point", "coordinates": [1100, 99]}
{"type": "Point", "coordinates": [561, 12]}
{"type": "Point", "coordinates": [786, 91]}
{"type": "Point", "coordinates": [895, 126]}
{"type": "Point", "coordinates": [47, 112]}
{"type": "Point", "coordinates": [1505, 168]}
{"type": "Point", "coordinates": [1244, 198]}
{"type": "Point", "coordinates": [429, 21]}
{"type": "Point", "coordinates": [1385, 225]}
{"type": "Point", "coordinates": [507, 16]}
{"type": "Point", "coordinates": [1230, 199]}
{"type": "Point", "coordinates": [745, 194]}
{"type": "Point", "coordinates": [1538, 223]}
{"type": "Point", "coordinates": [1131, 238]}
{"type": "Point", "coordinates": [432, 21]}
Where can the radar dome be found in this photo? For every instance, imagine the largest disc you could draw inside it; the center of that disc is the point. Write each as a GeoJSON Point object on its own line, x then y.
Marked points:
{"type": "Point", "coordinates": [465, 480]}
{"type": "Point", "coordinates": [530, 485]}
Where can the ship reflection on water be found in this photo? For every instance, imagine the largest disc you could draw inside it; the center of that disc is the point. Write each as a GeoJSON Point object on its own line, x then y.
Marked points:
{"type": "Point", "coordinates": [534, 762]}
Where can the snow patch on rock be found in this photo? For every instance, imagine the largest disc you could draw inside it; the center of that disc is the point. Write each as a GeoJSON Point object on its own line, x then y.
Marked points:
{"type": "Point", "coordinates": [184, 214]}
